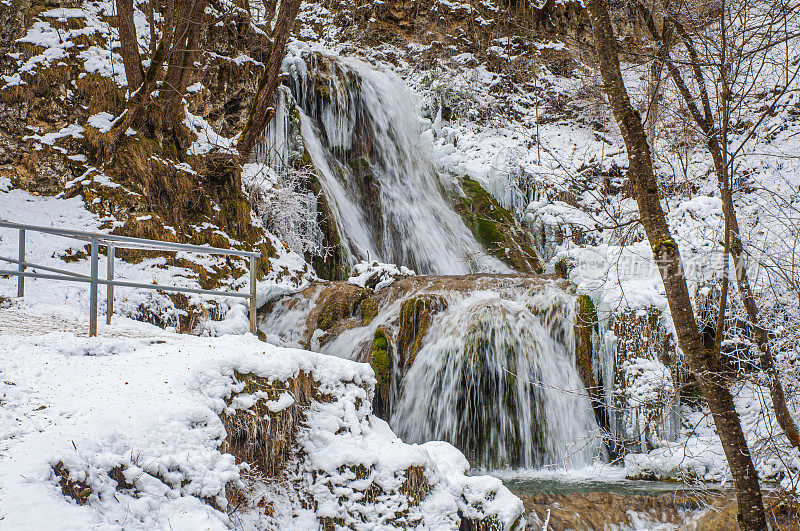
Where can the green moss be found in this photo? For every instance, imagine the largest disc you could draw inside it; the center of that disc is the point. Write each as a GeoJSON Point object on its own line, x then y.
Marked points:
{"type": "Point", "coordinates": [415, 317]}
{"type": "Point", "coordinates": [667, 244]}
{"type": "Point", "coordinates": [585, 324]}
{"type": "Point", "coordinates": [495, 228]}
{"type": "Point", "coordinates": [369, 309]}
{"type": "Point", "coordinates": [381, 363]}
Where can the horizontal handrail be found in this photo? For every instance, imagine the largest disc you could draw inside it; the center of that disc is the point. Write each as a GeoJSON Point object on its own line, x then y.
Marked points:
{"type": "Point", "coordinates": [43, 267]}
{"type": "Point", "coordinates": [124, 283]}
{"type": "Point", "coordinates": [120, 241]}
{"type": "Point", "coordinates": [113, 242]}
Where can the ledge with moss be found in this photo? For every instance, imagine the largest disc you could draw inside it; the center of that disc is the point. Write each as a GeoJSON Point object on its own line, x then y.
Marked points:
{"type": "Point", "coordinates": [495, 228]}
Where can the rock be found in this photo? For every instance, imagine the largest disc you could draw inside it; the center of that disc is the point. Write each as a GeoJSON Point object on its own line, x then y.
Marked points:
{"type": "Point", "coordinates": [495, 227]}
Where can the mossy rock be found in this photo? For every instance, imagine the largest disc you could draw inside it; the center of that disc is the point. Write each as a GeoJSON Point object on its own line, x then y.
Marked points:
{"type": "Point", "coordinates": [641, 334]}
{"type": "Point", "coordinates": [586, 325]}
{"type": "Point", "coordinates": [369, 310]}
{"type": "Point", "coordinates": [381, 363]}
{"type": "Point", "coordinates": [415, 318]}
{"type": "Point", "coordinates": [495, 228]}
{"type": "Point", "coordinates": [340, 303]}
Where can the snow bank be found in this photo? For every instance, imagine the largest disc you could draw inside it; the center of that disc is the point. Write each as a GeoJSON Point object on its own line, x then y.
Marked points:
{"type": "Point", "coordinates": [133, 425]}
{"type": "Point", "coordinates": [377, 275]}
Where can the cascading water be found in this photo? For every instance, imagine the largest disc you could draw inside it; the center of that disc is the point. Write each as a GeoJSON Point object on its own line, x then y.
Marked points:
{"type": "Point", "coordinates": [495, 373]}
{"type": "Point", "coordinates": [361, 130]}
{"type": "Point", "coordinates": [494, 381]}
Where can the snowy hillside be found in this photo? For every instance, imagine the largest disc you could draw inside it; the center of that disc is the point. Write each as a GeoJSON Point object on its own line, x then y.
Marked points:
{"type": "Point", "coordinates": [125, 431]}
{"type": "Point", "coordinates": [452, 248]}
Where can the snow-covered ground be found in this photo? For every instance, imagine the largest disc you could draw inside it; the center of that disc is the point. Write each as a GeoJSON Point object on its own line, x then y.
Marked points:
{"type": "Point", "coordinates": [145, 402]}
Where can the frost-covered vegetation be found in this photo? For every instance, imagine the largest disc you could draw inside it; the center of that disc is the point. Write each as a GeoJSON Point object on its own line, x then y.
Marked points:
{"type": "Point", "coordinates": [410, 171]}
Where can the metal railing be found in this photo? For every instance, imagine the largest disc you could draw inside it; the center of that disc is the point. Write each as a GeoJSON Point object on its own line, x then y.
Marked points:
{"type": "Point", "coordinates": [112, 242]}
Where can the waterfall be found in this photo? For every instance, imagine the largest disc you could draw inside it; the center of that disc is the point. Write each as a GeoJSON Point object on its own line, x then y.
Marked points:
{"type": "Point", "coordinates": [495, 382]}
{"type": "Point", "coordinates": [495, 374]}
{"type": "Point", "coordinates": [492, 370]}
{"type": "Point", "coordinates": [361, 130]}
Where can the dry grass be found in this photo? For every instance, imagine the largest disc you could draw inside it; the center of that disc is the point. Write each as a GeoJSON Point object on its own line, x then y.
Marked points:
{"type": "Point", "coordinates": [75, 489]}
{"type": "Point", "coordinates": [264, 439]}
{"type": "Point", "coordinates": [101, 94]}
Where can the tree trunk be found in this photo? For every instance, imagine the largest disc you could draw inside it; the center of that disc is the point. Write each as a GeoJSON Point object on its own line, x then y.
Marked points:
{"type": "Point", "coordinates": [137, 102]}
{"type": "Point", "coordinates": [151, 21]}
{"type": "Point", "coordinates": [261, 112]}
{"type": "Point", "coordinates": [129, 45]}
{"type": "Point", "coordinates": [706, 368]}
{"type": "Point", "coordinates": [185, 39]}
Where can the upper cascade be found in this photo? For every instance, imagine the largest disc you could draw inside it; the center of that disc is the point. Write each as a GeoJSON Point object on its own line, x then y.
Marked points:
{"type": "Point", "coordinates": [360, 128]}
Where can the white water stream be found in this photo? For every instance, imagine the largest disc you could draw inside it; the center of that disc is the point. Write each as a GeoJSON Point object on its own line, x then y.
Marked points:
{"type": "Point", "coordinates": [492, 379]}
{"type": "Point", "coordinates": [398, 212]}
{"type": "Point", "coordinates": [494, 376]}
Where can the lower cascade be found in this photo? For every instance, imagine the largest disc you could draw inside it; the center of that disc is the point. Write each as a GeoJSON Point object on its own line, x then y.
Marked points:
{"type": "Point", "coordinates": [492, 380]}
{"type": "Point", "coordinates": [486, 363]}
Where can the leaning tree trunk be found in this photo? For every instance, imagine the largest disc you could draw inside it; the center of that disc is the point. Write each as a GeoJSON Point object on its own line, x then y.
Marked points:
{"type": "Point", "coordinates": [129, 45]}
{"type": "Point", "coordinates": [260, 111]}
{"type": "Point", "coordinates": [706, 367]}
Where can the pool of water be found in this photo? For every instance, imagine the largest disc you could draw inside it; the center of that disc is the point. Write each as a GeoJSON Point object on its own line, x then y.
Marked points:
{"type": "Point", "coordinates": [595, 478]}
{"type": "Point", "coordinates": [617, 486]}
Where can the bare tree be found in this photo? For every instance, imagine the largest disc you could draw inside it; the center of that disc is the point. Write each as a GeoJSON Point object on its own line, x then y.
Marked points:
{"type": "Point", "coordinates": [736, 62]}
{"type": "Point", "coordinates": [704, 364]}
{"type": "Point", "coordinates": [173, 63]}
{"type": "Point", "coordinates": [182, 23]}
{"type": "Point", "coordinates": [261, 112]}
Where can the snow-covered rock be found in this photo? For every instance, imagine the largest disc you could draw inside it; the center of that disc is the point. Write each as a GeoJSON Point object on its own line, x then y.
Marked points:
{"type": "Point", "coordinates": [126, 432]}
{"type": "Point", "coordinates": [377, 275]}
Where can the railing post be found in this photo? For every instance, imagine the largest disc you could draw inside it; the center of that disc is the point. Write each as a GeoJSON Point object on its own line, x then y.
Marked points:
{"type": "Point", "coordinates": [93, 291]}
{"type": "Point", "coordinates": [253, 295]}
{"type": "Point", "coordinates": [110, 276]}
{"type": "Point", "coordinates": [21, 266]}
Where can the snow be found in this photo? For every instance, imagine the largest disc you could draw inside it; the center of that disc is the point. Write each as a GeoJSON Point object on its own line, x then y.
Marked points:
{"type": "Point", "coordinates": [72, 130]}
{"type": "Point", "coordinates": [147, 402]}
{"type": "Point", "coordinates": [207, 138]}
{"type": "Point", "coordinates": [647, 382]}
{"type": "Point", "coordinates": [151, 406]}
{"type": "Point", "coordinates": [377, 275]}
{"type": "Point", "coordinates": [698, 453]}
